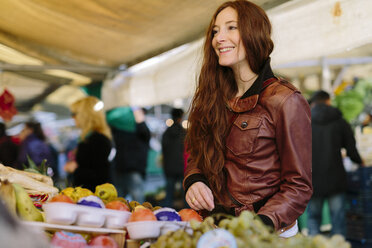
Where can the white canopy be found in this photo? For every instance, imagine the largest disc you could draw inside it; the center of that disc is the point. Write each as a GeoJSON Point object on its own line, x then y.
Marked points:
{"type": "Point", "coordinates": [303, 30]}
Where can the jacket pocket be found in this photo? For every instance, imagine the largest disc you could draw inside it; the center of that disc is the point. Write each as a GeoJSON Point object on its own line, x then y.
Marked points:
{"type": "Point", "coordinates": [243, 135]}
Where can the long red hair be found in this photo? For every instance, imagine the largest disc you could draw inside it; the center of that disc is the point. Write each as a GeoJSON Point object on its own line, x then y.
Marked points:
{"type": "Point", "coordinates": [208, 118]}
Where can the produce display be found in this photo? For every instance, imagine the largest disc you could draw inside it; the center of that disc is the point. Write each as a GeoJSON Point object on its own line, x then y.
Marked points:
{"type": "Point", "coordinates": [25, 206]}
{"type": "Point", "coordinates": [249, 232]}
{"type": "Point", "coordinates": [76, 193]}
{"type": "Point", "coordinates": [117, 205]}
{"type": "Point", "coordinates": [18, 201]}
{"type": "Point", "coordinates": [147, 224]}
{"type": "Point", "coordinates": [68, 239]}
{"type": "Point", "coordinates": [61, 198]}
{"type": "Point", "coordinates": [163, 226]}
{"type": "Point", "coordinates": [81, 207]}
{"type": "Point", "coordinates": [167, 214]}
{"type": "Point", "coordinates": [33, 183]}
{"type": "Point", "coordinates": [103, 241]}
{"type": "Point", "coordinates": [107, 192]}
{"type": "Point", "coordinates": [91, 201]}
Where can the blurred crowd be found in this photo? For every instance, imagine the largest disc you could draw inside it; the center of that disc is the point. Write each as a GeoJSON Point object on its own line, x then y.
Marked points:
{"type": "Point", "coordinates": [109, 146]}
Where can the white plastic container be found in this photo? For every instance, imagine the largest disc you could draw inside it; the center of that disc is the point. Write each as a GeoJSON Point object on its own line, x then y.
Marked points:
{"type": "Point", "coordinates": [60, 213]}
{"type": "Point", "coordinates": [116, 219]}
{"type": "Point", "coordinates": [152, 229]}
{"type": "Point", "coordinates": [90, 217]}
{"type": "Point", "coordinates": [68, 214]}
{"type": "Point", "coordinates": [168, 226]}
{"type": "Point", "coordinates": [143, 229]}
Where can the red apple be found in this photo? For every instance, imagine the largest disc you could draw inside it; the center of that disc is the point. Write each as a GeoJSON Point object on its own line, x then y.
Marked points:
{"type": "Point", "coordinates": [188, 214]}
{"type": "Point", "coordinates": [142, 214]}
{"type": "Point", "coordinates": [103, 241]}
{"type": "Point", "coordinates": [117, 205]}
{"type": "Point", "coordinates": [61, 198]}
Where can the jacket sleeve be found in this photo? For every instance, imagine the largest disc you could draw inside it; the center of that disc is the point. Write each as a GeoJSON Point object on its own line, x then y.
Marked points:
{"type": "Point", "coordinates": [143, 132]}
{"type": "Point", "coordinates": [349, 143]}
{"type": "Point", "coordinates": [192, 175]}
{"type": "Point", "coordinates": [293, 138]}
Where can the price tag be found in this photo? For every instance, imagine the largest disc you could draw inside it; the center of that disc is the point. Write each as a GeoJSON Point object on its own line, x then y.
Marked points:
{"type": "Point", "coordinates": [218, 238]}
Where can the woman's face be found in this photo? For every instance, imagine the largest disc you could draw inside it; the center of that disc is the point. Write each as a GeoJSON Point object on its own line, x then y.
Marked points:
{"type": "Point", "coordinates": [73, 115]}
{"type": "Point", "coordinates": [26, 131]}
{"type": "Point", "coordinates": [226, 40]}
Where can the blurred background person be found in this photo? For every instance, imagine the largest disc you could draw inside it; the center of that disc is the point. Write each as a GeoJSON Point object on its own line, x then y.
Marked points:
{"type": "Point", "coordinates": [91, 166]}
{"type": "Point", "coordinates": [8, 149]}
{"type": "Point", "coordinates": [131, 136]}
{"type": "Point", "coordinates": [330, 133]}
{"type": "Point", "coordinates": [33, 145]}
{"type": "Point", "coordinates": [173, 161]}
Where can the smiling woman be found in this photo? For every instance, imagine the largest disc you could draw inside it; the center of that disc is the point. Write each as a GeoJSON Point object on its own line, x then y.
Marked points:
{"type": "Point", "coordinates": [249, 135]}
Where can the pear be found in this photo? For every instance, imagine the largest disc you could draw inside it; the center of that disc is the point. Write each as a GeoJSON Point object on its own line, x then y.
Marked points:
{"type": "Point", "coordinates": [25, 207]}
{"type": "Point", "coordinates": [133, 205]}
{"type": "Point", "coordinates": [147, 205]}
{"type": "Point", "coordinates": [107, 192]}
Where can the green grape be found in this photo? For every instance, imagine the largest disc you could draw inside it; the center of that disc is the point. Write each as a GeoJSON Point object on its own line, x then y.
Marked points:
{"type": "Point", "coordinates": [195, 224]}
{"type": "Point", "coordinates": [244, 220]}
{"type": "Point", "coordinates": [187, 242]}
{"type": "Point", "coordinates": [177, 244]}
{"type": "Point", "coordinates": [177, 234]}
{"type": "Point", "coordinates": [209, 221]}
{"type": "Point", "coordinates": [233, 224]}
{"type": "Point", "coordinates": [224, 223]}
{"type": "Point", "coordinates": [240, 243]}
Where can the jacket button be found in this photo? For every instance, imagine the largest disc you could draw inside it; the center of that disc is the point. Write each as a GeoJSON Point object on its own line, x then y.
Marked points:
{"type": "Point", "coordinates": [244, 124]}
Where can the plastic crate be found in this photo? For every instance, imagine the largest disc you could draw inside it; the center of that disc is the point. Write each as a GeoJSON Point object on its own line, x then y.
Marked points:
{"type": "Point", "coordinates": [359, 226]}
{"type": "Point", "coordinates": [360, 180]}
{"type": "Point", "coordinates": [360, 202]}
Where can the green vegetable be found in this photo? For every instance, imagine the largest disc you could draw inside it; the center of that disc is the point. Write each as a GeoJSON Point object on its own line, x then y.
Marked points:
{"type": "Point", "coordinates": [41, 169]}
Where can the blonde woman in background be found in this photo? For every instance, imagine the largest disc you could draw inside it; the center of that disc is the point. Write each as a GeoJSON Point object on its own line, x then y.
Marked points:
{"type": "Point", "coordinates": [91, 166]}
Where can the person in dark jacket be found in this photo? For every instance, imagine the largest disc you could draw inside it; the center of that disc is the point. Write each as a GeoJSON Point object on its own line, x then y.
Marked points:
{"type": "Point", "coordinates": [33, 145]}
{"type": "Point", "coordinates": [8, 149]}
{"type": "Point", "coordinates": [172, 148]}
{"type": "Point", "coordinates": [330, 133]}
{"type": "Point", "coordinates": [132, 146]}
{"type": "Point", "coordinates": [91, 166]}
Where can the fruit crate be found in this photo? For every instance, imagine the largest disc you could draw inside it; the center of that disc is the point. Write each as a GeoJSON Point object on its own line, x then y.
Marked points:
{"type": "Point", "coordinates": [359, 226]}
{"type": "Point", "coordinates": [360, 180]}
{"type": "Point", "coordinates": [360, 202]}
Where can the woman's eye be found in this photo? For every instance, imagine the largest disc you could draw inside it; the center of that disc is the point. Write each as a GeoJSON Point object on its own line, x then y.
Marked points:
{"type": "Point", "coordinates": [214, 32]}
{"type": "Point", "coordinates": [233, 27]}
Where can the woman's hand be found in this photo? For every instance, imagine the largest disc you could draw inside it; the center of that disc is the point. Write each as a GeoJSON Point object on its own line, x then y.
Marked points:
{"type": "Point", "coordinates": [199, 197]}
{"type": "Point", "coordinates": [139, 115]}
{"type": "Point", "coordinates": [70, 166]}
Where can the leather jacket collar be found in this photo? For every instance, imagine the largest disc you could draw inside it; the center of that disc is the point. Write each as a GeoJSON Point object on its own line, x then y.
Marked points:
{"type": "Point", "coordinates": [250, 98]}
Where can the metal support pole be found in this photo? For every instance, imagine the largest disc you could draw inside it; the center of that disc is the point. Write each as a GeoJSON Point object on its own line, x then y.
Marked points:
{"type": "Point", "coordinates": [340, 76]}
{"type": "Point", "coordinates": [326, 77]}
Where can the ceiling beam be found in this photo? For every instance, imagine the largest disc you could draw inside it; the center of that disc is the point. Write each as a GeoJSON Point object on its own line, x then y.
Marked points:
{"type": "Point", "coordinates": [78, 69]}
{"type": "Point", "coordinates": [326, 61]}
{"type": "Point", "coordinates": [26, 106]}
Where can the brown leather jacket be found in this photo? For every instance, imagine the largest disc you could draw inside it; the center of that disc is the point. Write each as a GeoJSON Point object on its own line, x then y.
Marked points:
{"type": "Point", "coordinates": [268, 154]}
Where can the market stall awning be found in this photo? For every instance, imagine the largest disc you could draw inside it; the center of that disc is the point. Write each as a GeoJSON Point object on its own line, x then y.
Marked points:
{"type": "Point", "coordinates": [60, 43]}
{"type": "Point", "coordinates": [94, 37]}
{"type": "Point", "coordinates": [303, 31]}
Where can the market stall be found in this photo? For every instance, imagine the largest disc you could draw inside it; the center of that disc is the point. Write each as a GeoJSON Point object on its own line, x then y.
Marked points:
{"type": "Point", "coordinates": [77, 217]}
